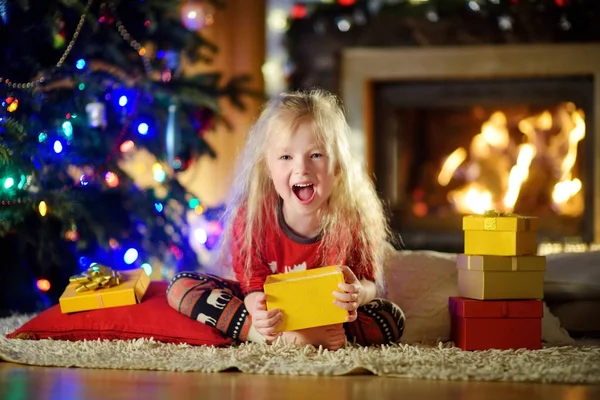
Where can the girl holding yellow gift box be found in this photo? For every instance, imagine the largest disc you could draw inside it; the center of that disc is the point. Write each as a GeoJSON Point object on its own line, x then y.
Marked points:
{"type": "Point", "coordinates": [299, 202]}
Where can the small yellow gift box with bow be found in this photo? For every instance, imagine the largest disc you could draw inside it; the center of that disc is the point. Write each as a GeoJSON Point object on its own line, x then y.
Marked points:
{"type": "Point", "coordinates": [500, 277]}
{"type": "Point", "coordinates": [500, 234]}
{"type": "Point", "coordinates": [101, 287]}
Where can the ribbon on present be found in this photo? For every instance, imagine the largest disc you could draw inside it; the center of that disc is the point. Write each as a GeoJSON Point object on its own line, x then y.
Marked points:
{"type": "Point", "coordinates": [96, 277]}
{"type": "Point", "coordinates": [494, 213]}
{"type": "Point", "coordinates": [489, 222]}
{"type": "Point", "coordinates": [514, 265]}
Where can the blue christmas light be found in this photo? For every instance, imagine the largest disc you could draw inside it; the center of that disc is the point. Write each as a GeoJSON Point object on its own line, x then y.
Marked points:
{"type": "Point", "coordinates": [159, 207]}
{"type": "Point", "coordinates": [147, 267]}
{"type": "Point", "coordinates": [80, 64]}
{"type": "Point", "coordinates": [142, 128]}
{"type": "Point", "coordinates": [130, 256]}
{"type": "Point", "coordinates": [123, 101]}
{"type": "Point", "coordinates": [84, 262]}
{"type": "Point", "coordinates": [58, 147]}
{"type": "Point", "coordinates": [42, 136]}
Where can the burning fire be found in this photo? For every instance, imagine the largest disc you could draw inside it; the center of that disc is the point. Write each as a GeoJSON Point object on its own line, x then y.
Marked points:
{"type": "Point", "coordinates": [496, 169]}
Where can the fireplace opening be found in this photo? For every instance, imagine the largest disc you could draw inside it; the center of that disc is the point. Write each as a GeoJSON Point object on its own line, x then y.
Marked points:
{"type": "Point", "coordinates": [443, 149]}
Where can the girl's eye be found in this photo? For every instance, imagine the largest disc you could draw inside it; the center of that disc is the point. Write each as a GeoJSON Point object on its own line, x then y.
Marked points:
{"type": "Point", "coordinates": [316, 155]}
{"type": "Point", "coordinates": [285, 158]}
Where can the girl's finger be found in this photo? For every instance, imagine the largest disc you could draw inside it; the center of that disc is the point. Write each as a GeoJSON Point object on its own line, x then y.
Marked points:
{"type": "Point", "coordinates": [264, 319]}
{"type": "Point", "coordinates": [352, 315]}
{"type": "Point", "coordinates": [350, 306]}
{"type": "Point", "coordinates": [266, 326]}
{"type": "Point", "coordinates": [345, 287]}
{"type": "Point", "coordinates": [345, 297]}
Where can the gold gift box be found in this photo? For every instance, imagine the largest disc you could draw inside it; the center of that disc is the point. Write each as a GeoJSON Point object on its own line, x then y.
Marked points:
{"type": "Point", "coordinates": [500, 234]}
{"type": "Point", "coordinates": [129, 291]}
{"type": "Point", "coordinates": [497, 277]}
{"type": "Point", "coordinates": [305, 297]}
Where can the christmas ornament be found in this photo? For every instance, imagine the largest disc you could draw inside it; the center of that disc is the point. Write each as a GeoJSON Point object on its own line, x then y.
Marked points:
{"type": "Point", "coordinates": [96, 113]}
{"type": "Point", "coordinates": [172, 135]}
{"type": "Point", "coordinates": [85, 180]}
{"type": "Point", "coordinates": [71, 234]}
{"type": "Point", "coordinates": [183, 161]}
{"type": "Point", "coordinates": [195, 15]}
{"type": "Point", "coordinates": [59, 36]}
{"type": "Point", "coordinates": [166, 75]}
{"type": "Point", "coordinates": [172, 62]}
{"type": "Point", "coordinates": [106, 15]}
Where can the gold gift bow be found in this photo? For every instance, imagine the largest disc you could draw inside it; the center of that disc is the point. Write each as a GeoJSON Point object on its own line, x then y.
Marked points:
{"type": "Point", "coordinates": [494, 213]}
{"type": "Point", "coordinates": [96, 277]}
{"type": "Point", "coordinates": [489, 223]}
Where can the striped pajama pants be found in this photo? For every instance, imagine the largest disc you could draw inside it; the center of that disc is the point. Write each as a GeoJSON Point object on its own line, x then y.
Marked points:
{"type": "Point", "coordinates": [219, 303]}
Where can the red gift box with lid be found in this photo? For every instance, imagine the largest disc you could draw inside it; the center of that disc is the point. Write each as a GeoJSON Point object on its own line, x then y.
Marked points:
{"type": "Point", "coordinates": [496, 324]}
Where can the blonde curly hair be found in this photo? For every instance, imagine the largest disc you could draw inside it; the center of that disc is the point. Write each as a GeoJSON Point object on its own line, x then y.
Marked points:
{"type": "Point", "coordinates": [354, 226]}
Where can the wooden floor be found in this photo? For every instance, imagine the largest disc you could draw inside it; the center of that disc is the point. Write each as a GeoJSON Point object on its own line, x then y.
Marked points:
{"type": "Point", "coordinates": [27, 382]}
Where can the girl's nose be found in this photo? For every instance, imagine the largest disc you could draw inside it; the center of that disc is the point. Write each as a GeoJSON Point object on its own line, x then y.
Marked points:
{"type": "Point", "coordinates": [300, 165]}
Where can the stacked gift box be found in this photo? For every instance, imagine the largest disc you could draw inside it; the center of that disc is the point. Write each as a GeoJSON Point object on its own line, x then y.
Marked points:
{"type": "Point", "coordinates": [500, 284]}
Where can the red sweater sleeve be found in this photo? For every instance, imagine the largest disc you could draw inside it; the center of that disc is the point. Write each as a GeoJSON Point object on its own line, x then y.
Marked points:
{"type": "Point", "coordinates": [259, 269]}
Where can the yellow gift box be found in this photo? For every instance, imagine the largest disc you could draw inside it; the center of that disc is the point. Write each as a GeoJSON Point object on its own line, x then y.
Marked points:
{"type": "Point", "coordinates": [497, 277]}
{"type": "Point", "coordinates": [127, 290]}
{"type": "Point", "coordinates": [305, 297]}
{"type": "Point", "coordinates": [500, 234]}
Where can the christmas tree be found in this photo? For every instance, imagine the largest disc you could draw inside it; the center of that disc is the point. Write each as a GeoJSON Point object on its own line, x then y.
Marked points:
{"type": "Point", "coordinates": [93, 98]}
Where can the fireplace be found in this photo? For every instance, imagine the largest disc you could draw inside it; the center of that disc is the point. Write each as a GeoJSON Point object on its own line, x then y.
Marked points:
{"type": "Point", "coordinates": [447, 132]}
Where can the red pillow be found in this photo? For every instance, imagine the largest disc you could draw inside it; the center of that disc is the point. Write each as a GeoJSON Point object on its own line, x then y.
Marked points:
{"type": "Point", "coordinates": [153, 317]}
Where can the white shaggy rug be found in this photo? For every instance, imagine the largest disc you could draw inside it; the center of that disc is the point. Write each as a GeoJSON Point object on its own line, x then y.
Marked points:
{"type": "Point", "coordinates": [555, 364]}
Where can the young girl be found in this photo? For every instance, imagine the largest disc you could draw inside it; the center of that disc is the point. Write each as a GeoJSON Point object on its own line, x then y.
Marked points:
{"type": "Point", "coordinates": [299, 202]}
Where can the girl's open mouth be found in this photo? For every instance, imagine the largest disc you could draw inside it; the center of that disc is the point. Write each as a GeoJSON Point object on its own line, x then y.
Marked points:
{"type": "Point", "coordinates": [305, 192]}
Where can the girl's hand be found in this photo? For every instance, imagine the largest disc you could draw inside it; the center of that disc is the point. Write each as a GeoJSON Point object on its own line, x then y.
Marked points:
{"type": "Point", "coordinates": [265, 322]}
{"type": "Point", "coordinates": [352, 294]}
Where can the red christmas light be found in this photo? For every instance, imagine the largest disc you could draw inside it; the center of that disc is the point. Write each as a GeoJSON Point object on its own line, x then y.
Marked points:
{"type": "Point", "coordinates": [560, 3]}
{"type": "Point", "coordinates": [298, 11]}
{"type": "Point", "coordinates": [43, 285]}
{"type": "Point", "coordinates": [346, 2]}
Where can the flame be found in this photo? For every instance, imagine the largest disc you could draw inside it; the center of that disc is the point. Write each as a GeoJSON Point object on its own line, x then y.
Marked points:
{"type": "Point", "coordinates": [518, 174]}
{"type": "Point", "coordinates": [494, 131]}
{"type": "Point", "coordinates": [450, 165]}
{"type": "Point", "coordinates": [473, 199]}
{"type": "Point", "coordinates": [567, 188]}
{"type": "Point", "coordinates": [493, 152]}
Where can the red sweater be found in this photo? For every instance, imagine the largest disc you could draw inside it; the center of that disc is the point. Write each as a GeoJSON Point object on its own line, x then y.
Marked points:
{"type": "Point", "coordinates": [282, 251]}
